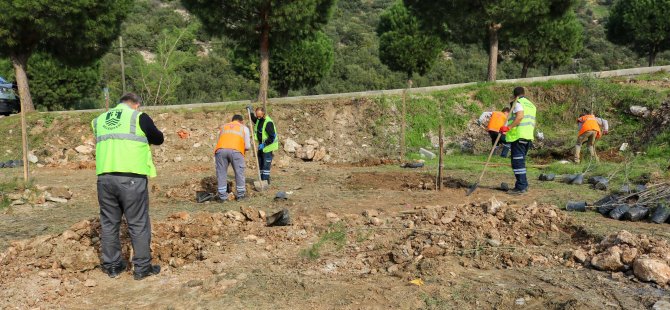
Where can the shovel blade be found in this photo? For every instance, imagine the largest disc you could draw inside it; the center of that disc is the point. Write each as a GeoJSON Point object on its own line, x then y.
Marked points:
{"type": "Point", "coordinates": [472, 189]}
{"type": "Point", "coordinates": [260, 185]}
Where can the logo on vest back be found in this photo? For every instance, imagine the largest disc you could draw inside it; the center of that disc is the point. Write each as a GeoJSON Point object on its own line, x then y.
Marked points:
{"type": "Point", "coordinates": [112, 120]}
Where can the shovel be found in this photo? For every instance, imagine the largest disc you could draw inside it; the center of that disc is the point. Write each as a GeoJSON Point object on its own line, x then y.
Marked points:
{"type": "Point", "coordinates": [259, 185]}
{"type": "Point", "coordinates": [474, 186]}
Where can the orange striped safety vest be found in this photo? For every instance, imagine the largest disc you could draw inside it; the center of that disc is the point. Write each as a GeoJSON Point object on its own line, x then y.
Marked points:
{"type": "Point", "coordinates": [497, 120]}
{"type": "Point", "coordinates": [231, 137]}
{"type": "Point", "coordinates": [589, 123]}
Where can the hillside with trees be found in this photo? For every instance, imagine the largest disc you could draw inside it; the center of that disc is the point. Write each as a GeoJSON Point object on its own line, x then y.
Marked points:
{"type": "Point", "coordinates": [171, 57]}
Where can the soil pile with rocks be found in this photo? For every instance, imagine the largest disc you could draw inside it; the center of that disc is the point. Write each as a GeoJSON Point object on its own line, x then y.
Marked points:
{"type": "Point", "coordinates": [187, 190]}
{"type": "Point", "coordinates": [177, 241]}
{"type": "Point", "coordinates": [44, 196]}
{"type": "Point", "coordinates": [643, 257]}
{"type": "Point", "coordinates": [486, 235]}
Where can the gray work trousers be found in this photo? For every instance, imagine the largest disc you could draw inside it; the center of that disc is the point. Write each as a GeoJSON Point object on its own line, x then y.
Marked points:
{"type": "Point", "coordinates": [223, 158]}
{"type": "Point", "coordinates": [119, 196]}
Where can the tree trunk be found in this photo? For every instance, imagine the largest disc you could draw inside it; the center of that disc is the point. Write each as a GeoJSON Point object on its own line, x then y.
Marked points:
{"type": "Point", "coordinates": [283, 91]}
{"type": "Point", "coordinates": [652, 57]}
{"type": "Point", "coordinates": [493, 51]}
{"type": "Point", "coordinates": [265, 61]}
{"type": "Point", "coordinates": [524, 70]}
{"type": "Point", "coordinates": [549, 68]}
{"type": "Point", "coordinates": [20, 63]}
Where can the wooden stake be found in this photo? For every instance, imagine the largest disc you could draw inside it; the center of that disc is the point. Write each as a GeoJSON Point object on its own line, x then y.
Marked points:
{"type": "Point", "coordinates": [123, 66]}
{"type": "Point", "coordinates": [24, 142]}
{"type": "Point", "coordinates": [440, 160]}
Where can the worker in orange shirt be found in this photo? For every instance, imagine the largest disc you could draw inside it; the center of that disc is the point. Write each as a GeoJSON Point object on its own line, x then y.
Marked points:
{"type": "Point", "coordinates": [590, 131]}
{"type": "Point", "coordinates": [234, 141]}
{"type": "Point", "coordinates": [494, 121]}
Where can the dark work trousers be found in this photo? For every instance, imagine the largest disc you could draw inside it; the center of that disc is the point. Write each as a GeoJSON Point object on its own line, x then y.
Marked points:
{"type": "Point", "coordinates": [519, 150]}
{"type": "Point", "coordinates": [265, 163]}
{"type": "Point", "coordinates": [119, 196]}
{"type": "Point", "coordinates": [502, 145]}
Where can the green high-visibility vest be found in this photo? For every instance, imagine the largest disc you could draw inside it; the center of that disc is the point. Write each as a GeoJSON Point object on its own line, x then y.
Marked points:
{"type": "Point", "coordinates": [526, 128]}
{"type": "Point", "coordinates": [275, 145]}
{"type": "Point", "coordinates": [120, 143]}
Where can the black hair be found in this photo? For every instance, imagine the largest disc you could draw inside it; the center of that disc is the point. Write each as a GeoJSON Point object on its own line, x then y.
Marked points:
{"type": "Point", "coordinates": [238, 118]}
{"type": "Point", "coordinates": [519, 91]}
{"type": "Point", "coordinates": [132, 97]}
{"type": "Point", "coordinates": [506, 109]}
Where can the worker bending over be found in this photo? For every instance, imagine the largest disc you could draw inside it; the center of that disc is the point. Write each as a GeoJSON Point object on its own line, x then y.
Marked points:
{"type": "Point", "coordinates": [590, 131]}
{"type": "Point", "coordinates": [494, 121]}
{"type": "Point", "coordinates": [234, 140]}
{"type": "Point", "coordinates": [520, 134]}
{"type": "Point", "coordinates": [268, 142]}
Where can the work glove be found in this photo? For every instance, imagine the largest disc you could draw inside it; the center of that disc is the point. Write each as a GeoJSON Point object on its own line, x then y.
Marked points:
{"type": "Point", "coordinates": [605, 132]}
{"type": "Point", "coordinates": [261, 146]}
{"type": "Point", "coordinates": [504, 129]}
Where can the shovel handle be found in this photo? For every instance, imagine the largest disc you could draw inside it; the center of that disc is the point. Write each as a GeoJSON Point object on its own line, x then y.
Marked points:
{"type": "Point", "coordinates": [253, 143]}
{"type": "Point", "coordinates": [489, 159]}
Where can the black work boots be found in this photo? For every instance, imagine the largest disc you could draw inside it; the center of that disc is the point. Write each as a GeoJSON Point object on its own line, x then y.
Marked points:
{"type": "Point", "coordinates": [152, 270]}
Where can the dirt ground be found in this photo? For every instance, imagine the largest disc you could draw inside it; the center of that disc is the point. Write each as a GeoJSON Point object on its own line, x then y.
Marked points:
{"type": "Point", "coordinates": [359, 235]}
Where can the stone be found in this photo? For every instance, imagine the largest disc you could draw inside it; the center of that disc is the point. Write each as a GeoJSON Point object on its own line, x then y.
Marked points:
{"type": "Point", "coordinates": [331, 215]}
{"type": "Point", "coordinates": [312, 142]}
{"type": "Point", "coordinates": [626, 237]}
{"type": "Point", "coordinates": [493, 205]}
{"type": "Point", "coordinates": [370, 213]}
{"type": "Point", "coordinates": [177, 159]}
{"type": "Point", "coordinates": [194, 283]}
{"type": "Point", "coordinates": [629, 255]}
{"type": "Point", "coordinates": [290, 146]}
{"type": "Point", "coordinates": [262, 215]}
{"type": "Point", "coordinates": [56, 199]}
{"type": "Point", "coordinates": [61, 192]}
{"type": "Point", "coordinates": [579, 255]}
{"type": "Point", "coordinates": [32, 158]}
{"type": "Point", "coordinates": [448, 216]}
{"type": "Point", "coordinates": [661, 305]}
{"type": "Point", "coordinates": [375, 221]}
{"type": "Point", "coordinates": [493, 242]}
{"type": "Point", "coordinates": [235, 215]}
{"type": "Point", "coordinates": [610, 260]}
{"type": "Point", "coordinates": [426, 153]}
{"type": "Point", "coordinates": [320, 154]}
{"type": "Point", "coordinates": [251, 238]}
{"type": "Point", "coordinates": [639, 111]}
{"type": "Point", "coordinates": [652, 270]}
{"type": "Point", "coordinates": [84, 149]}
{"type": "Point", "coordinates": [182, 215]}
{"type": "Point", "coordinates": [80, 260]}
{"type": "Point", "coordinates": [306, 153]}
{"type": "Point", "coordinates": [90, 283]}
{"type": "Point", "coordinates": [70, 235]}
{"type": "Point", "coordinates": [250, 213]}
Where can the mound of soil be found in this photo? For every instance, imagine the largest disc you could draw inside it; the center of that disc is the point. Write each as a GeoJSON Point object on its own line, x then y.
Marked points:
{"type": "Point", "coordinates": [400, 181]}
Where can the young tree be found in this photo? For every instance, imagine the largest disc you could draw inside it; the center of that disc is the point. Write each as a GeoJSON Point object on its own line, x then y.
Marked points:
{"type": "Point", "coordinates": [302, 64]}
{"type": "Point", "coordinates": [551, 42]}
{"type": "Point", "coordinates": [469, 21]}
{"type": "Point", "coordinates": [76, 32]}
{"type": "Point", "coordinates": [403, 46]}
{"type": "Point", "coordinates": [262, 23]}
{"type": "Point", "coordinates": [644, 26]}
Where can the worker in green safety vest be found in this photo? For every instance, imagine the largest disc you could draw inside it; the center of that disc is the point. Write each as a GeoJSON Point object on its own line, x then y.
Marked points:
{"type": "Point", "coordinates": [265, 133]}
{"type": "Point", "coordinates": [520, 131]}
{"type": "Point", "coordinates": [123, 162]}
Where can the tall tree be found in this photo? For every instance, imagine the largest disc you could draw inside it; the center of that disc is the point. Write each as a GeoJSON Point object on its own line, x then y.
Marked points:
{"type": "Point", "coordinates": [550, 42]}
{"type": "Point", "coordinates": [302, 64]}
{"type": "Point", "coordinates": [469, 21]}
{"type": "Point", "coordinates": [643, 25]}
{"type": "Point", "coordinates": [262, 23]}
{"type": "Point", "coordinates": [76, 32]}
{"type": "Point", "coordinates": [403, 45]}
